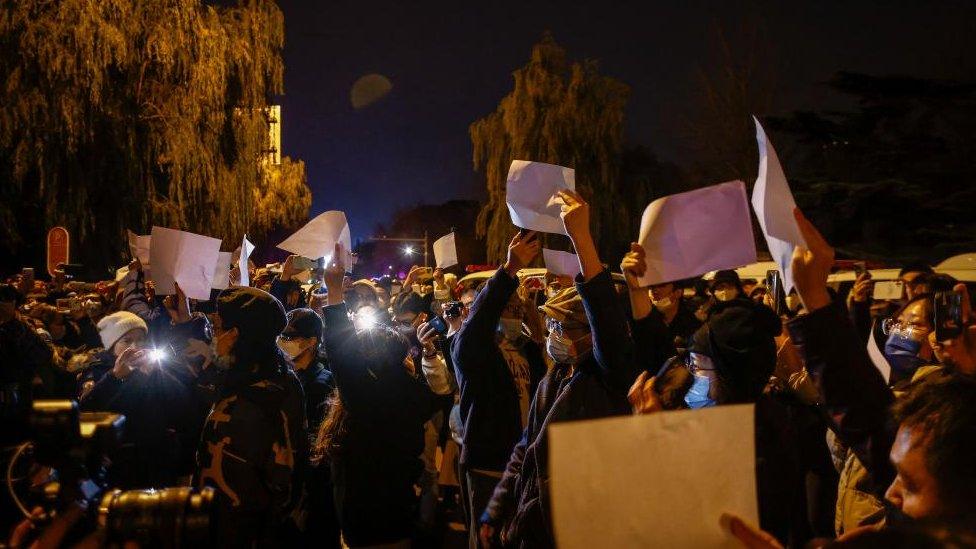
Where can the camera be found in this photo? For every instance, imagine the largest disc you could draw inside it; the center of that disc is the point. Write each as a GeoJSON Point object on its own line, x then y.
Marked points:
{"type": "Point", "coordinates": [76, 447]}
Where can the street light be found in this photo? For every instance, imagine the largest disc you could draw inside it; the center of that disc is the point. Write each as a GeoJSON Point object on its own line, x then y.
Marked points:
{"type": "Point", "coordinates": [408, 250]}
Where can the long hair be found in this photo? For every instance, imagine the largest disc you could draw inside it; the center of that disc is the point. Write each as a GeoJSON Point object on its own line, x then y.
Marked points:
{"type": "Point", "coordinates": [330, 432]}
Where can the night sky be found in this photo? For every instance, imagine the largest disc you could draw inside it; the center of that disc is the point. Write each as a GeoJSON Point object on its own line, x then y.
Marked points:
{"type": "Point", "coordinates": [451, 62]}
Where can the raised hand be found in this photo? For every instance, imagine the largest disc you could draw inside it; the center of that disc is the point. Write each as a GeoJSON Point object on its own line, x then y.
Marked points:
{"type": "Point", "coordinates": [811, 265]}
{"type": "Point", "coordinates": [642, 398]}
{"type": "Point", "coordinates": [521, 251]}
{"type": "Point", "coordinates": [633, 265]}
{"type": "Point", "coordinates": [575, 213]}
{"type": "Point", "coordinates": [862, 287]}
{"type": "Point", "coordinates": [334, 274]}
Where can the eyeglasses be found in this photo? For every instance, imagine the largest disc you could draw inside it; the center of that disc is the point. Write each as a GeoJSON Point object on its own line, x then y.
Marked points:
{"type": "Point", "coordinates": [905, 329]}
{"type": "Point", "coordinates": [699, 363]}
{"type": "Point", "coordinates": [554, 327]}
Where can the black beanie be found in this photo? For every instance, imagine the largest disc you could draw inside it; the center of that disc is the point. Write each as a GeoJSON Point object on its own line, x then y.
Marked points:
{"type": "Point", "coordinates": [257, 314]}
{"type": "Point", "coordinates": [739, 338]}
{"type": "Point", "coordinates": [303, 323]}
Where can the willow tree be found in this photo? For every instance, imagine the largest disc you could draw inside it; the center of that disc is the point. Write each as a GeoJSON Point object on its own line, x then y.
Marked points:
{"type": "Point", "coordinates": [117, 114]}
{"type": "Point", "coordinates": [560, 113]}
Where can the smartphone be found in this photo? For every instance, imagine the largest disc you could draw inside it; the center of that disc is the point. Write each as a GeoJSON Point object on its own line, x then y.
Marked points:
{"type": "Point", "coordinates": [438, 324]}
{"type": "Point", "coordinates": [948, 315]}
{"type": "Point", "coordinates": [63, 304]}
{"type": "Point", "coordinates": [452, 309]}
{"type": "Point", "coordinates": [888, 290]}
{"type": "Point", "coordinates": [859, 268]}
{"type": "Point", "coordinates": [774, 286]}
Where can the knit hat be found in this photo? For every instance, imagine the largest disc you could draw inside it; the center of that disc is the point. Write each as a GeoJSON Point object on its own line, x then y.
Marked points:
{"type": "Point", "coordinates": [566, 307]}
{"type": "Point", "coordinates": [112, 327]}
{"type": "Point", "coordinates": [739, 338]}
{"type": "Point", "coordinates": [257, 314]}
{"type": "Point", "coordinates": [726, 275]}
{"type": "Point", "coordinates": [303, 323]}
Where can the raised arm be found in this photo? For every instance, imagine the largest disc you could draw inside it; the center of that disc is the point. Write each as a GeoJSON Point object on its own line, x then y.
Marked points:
{"type": "Point", "coordinates": [613, 347]}
{"type": "Point", "coordinates": [854, 394]}
{"type": "Point", "coordinates": [478, 332]}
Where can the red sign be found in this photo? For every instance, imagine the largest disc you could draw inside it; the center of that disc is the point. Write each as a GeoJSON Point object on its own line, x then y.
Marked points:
{"type": "Point", "coordinates": [58, 245]}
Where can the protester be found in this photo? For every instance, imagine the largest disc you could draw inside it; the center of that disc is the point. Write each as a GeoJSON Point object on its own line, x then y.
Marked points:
{"type": "Point", "coordinates": [497, 372]}
{"type": "Point", "coordinates": [374, 435]}
{"type": "Point", "coordinates": [594, 365]}
{"type": "Point", "coordinates": [255, 433]}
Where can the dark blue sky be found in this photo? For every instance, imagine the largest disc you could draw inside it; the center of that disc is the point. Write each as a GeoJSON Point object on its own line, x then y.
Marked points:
{"type": "Point", "coordinates": [451, 62]}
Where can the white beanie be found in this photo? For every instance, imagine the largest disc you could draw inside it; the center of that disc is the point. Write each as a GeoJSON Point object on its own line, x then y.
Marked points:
{"type": "Point", "coordinates": [112, 327]}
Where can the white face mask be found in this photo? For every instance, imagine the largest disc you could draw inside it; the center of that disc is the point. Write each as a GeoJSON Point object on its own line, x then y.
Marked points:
{"type": "Point", "coordinates": [662, 304]}
{"type": "Point", "coordinates": [725, 294]}
{"type": "Point", "coordinates": [560, 350]}
{"type": "Point", "coordinates": [292, 347]}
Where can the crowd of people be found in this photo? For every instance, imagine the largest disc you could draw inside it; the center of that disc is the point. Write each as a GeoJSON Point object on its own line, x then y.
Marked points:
{"type": "Point", "coordinates": [330, 415]}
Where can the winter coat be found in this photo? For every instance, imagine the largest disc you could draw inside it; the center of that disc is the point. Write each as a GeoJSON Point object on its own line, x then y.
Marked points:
{"type": "Point", "coordinates": [489, 403]}
{"type": "Point", "coordinates": [597, 387]}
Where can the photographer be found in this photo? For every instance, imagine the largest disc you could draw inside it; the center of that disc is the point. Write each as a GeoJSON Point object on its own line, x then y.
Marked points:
{"type": "Point", "coordinates": [255, 433]}
{"type": "Point", "coordinates": [129, 378]}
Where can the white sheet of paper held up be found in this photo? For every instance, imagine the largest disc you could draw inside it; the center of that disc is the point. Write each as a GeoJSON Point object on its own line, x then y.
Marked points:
{"type": "Point", "coordinates": [773, 202]}
{"type": "Point", "coordinates": [184, 258]}
{"type": "Point", "coordinates": [561, 263]}
{"type": "Point", "coordinates": [319, 236]}
{"type": "Point", "coordinates": [658, 480]}
{"type": "Point", "coordinates": [246, 249]}
{"type": "Point", "coordinates": [445, 251]}
{"type": "Point", "coordinates": [221, 276]}
{"type": "Point", "coordinates": [139, 247]}
{"type": "Point", "coordinates": [691, 233]}
{"type": "Point", "coordinates": [530, 193]}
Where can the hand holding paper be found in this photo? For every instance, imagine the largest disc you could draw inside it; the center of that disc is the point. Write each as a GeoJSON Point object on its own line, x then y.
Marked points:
{"type": "Point", "coordinates": [530, 192]}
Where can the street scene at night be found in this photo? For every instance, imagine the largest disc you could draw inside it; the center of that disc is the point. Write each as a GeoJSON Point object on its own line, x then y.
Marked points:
{"type": "Point", "coordinates": [636, 274]}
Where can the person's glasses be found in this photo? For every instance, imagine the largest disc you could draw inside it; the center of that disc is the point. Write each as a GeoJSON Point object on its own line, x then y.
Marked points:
{"type": "Point", "coordinates": [904, 329]}
{"type": "Point", "coordinates": [554, 327]}
{"type": "Point", "coordinates": [698, 363]}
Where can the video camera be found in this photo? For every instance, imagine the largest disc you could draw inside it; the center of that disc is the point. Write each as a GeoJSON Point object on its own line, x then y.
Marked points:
{"type": "Point", "coordinates": [76, 447]}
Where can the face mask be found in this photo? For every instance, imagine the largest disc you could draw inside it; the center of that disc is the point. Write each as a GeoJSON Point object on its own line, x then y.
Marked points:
{"type": "Point", "coordinates": [697, 396]}
{"type": "Point", "coordinates": [793, 302]}
{"type": "Point", "coordinates": [724, 295]}
{"type": "Point", "coordinates": [560, 350]}
{"type": "Point", "coordinates": [291, 347]}
{"type": "Point", "coordinates": [662, 304]}
{"type": "Point", "coordinates": [510, 328]}
{"type": "Point", "coordinates": [902, 353]}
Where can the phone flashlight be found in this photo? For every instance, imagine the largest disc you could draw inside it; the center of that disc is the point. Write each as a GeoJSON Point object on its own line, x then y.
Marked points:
{"type": "Point", "coordinates": [157, 355]}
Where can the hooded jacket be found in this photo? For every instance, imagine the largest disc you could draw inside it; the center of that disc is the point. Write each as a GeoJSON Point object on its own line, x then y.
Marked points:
{"type": "Point", "coordinates": [597, 388]}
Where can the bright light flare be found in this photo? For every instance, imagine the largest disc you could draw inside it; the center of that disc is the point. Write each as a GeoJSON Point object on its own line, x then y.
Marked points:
{"type": "Point", "coordinates": [365, 318]}
{"type": "Point", "coordinates": [408, 250]}
{"type": "Point", "coordinates": [157, 355]}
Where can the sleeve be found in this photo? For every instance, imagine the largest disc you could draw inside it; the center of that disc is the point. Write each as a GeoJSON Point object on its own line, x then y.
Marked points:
{"type": "Point", "coordinates": [860, 314]}
{"type": "Point", "coordinates": [613, 347]}
{"type": "Point", "coordinates": [134, 297]}
{"type": "Point", "coordinates": [478, 331]}
{"type": "Point", "coordinates": [435, 371]}
{"type": "Point", "coordinates": [653, 344]}
{"type": "Point", "coordinates": [855, 396]}
{"type": "Point", "coordinates": [103, 395]}
{"type": "Point", "coordinates": [350, 375]}
{"type": "Point", "coordinates": [502, 502]}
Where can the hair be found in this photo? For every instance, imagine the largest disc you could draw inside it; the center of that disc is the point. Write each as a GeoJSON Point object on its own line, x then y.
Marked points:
{"type": "Point", "coordinates": [381, 350]}
{"type": "Point", "coordinates": [916, 267]}
{"type": "Point", "coordinates": [944, 409]}
{"type": "Point", "coordinates": [672, 383]}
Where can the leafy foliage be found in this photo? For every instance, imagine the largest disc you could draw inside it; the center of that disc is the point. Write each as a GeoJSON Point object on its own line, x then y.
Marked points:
{"type": "Point", "coordinates": [117, 114]}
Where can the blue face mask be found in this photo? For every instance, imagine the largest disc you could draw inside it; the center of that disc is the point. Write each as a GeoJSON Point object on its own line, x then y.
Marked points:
{"type": "Point", "coordinates": [697, 396]}
{"type": "Point", "coordinates": [902, 354]}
